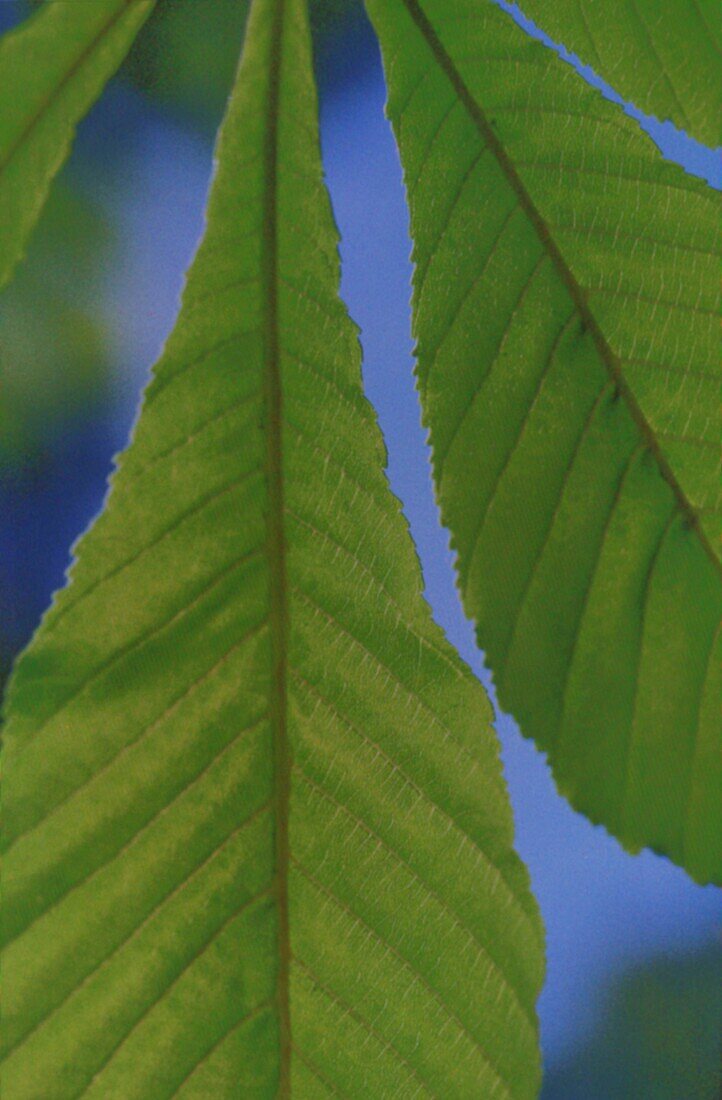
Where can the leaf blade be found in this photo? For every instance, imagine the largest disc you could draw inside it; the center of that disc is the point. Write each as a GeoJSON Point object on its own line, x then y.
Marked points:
{"type": "Point", "coordinates": [142, 789]}
{"type": "Point", "coordinates": [52, 69]}
{"type": "Point", "coordinates": [642, 50]}
{"type": "Point", "coordinates": [581, 453]}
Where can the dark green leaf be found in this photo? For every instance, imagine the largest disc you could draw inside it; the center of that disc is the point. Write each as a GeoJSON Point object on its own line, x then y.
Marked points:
{"type": "Point", "coordinates": [566, 305]}
{"type": "Point", "coordinates": [663, 55]}
{"type": "Point", "coordinates": [52, 69]}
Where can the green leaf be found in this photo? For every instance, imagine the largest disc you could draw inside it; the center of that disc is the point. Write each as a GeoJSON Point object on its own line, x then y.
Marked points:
{"type": "Point", "coordinates": [566, 306]}
{"type": "Point", "coordinates": [663, 55]}
{"type": "Point", "coordinates": [52, 70]}
{"type": "Point", "coordinates": [259, 840]}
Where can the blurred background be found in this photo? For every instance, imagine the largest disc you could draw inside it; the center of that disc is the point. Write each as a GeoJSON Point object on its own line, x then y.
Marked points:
{"type": "Point", "coordinates": [632, 1007]}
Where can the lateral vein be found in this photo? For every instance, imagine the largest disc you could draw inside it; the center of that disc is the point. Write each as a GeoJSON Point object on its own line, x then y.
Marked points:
{"type": "Point", "coordinates": [606, 354]}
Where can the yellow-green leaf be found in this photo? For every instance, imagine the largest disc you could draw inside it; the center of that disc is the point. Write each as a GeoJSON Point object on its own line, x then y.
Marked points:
{"type": "Point", "coordinates": [259, 840]}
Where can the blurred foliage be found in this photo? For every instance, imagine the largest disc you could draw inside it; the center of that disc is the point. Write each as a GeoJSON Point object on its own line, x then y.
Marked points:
{"type": "Point", "coordinates": [186, 55]}
{"type": "Point", "coordinates": [171, 58]}
{"type": "Point", "coordinates": [53, 358]}
{"type": "Point", "coordinates": [658, 1038]}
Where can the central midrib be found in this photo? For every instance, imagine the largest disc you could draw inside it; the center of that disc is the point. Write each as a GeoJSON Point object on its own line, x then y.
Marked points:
{"type": "Point", "coordinates": [275, 543]}
{"type": "Point", "coordinates": [606, 354]}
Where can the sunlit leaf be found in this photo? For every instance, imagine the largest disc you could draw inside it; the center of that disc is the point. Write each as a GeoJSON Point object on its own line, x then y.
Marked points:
{"type": "Point", "coordinates": [259, 840]}
{"type": "Point", "coordinates": [663, 55]}
{"type": "Point", "coordinates": [566, 307]}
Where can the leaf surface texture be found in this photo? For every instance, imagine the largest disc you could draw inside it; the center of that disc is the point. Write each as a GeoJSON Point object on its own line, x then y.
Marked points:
{"type": "Point", "coordinates": [52, 70]}
{"type": "Point", "coordinates": [665, 56]}
{"type": "Point", "coordinates": [259, 840]}
{"type": "Point", "coordinates": [566, 308]}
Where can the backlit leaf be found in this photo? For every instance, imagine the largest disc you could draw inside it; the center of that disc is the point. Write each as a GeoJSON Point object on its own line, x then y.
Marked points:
{"type": "Point", "coordinates": [259, 840]}
{"type": "Point", "coordinates": [663, 55]}
{"type": "Point", "coordinates": [566, 307]}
